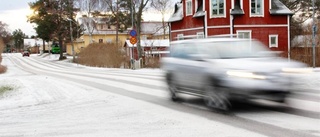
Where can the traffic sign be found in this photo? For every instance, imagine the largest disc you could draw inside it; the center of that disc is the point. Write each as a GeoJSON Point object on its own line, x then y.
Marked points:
{"type": "Point", "coordinates": [133, 40]}
{"type": "Point", "coordinates": [133, 33]}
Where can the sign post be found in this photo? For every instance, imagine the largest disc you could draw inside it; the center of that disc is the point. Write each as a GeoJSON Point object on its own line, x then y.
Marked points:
{"type": "Point", "coordinates": [133, 40]}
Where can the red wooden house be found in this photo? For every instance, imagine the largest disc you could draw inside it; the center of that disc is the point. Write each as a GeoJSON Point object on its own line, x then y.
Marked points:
{"type": "Point", "coordinates": [265, 20]}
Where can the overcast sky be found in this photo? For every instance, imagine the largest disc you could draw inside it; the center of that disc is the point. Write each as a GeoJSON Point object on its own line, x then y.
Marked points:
{"type": "Point", "coordinates": [14, 13]}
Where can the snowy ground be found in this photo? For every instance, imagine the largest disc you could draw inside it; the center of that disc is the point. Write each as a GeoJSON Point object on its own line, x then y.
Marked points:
{"type": "Point", "coordinates": [43, 105]}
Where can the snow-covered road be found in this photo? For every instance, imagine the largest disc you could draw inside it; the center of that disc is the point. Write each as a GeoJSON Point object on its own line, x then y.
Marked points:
{"type": "Point", "coordinates": [52, 98]}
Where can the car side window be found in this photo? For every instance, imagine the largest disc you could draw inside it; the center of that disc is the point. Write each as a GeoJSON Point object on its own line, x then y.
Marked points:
{"type": "Point", "coordinates": [180, 51]}
{"type": "Point", "coordinates": [175, 51]}
{"type": "Point", "coordinates": [191, 50]}
{"type": "Point", "coordinates": [208, 50]}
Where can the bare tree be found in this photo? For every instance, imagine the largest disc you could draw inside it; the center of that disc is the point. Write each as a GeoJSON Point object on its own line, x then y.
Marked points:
{"type": "Point", "coordinates": [162, 6]}
{"type": "Point", "coordinates": [303, 11]}
{"type": "Point", "coordinates": [88, 8]}
{"type": "Point", "coordinates": [4, 32]}
{"type": "Point", "coordinates": [1, 47]}
{"type": "Point", "coordinates": [141, 6]}
{"type": "Point", "coordinates": [302, 8]}
{"type": "Point", "coordinates": [114, 8]}
{"type": "Point", "coordinates": [89, 25]}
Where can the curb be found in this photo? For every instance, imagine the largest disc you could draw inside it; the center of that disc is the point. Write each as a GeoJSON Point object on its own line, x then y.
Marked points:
{"type": "Point", "coordinates": [316, 70]}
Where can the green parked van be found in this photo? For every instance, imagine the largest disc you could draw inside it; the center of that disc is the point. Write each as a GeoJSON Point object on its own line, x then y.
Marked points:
{"type": "Point", "coordinates": [55, 48]}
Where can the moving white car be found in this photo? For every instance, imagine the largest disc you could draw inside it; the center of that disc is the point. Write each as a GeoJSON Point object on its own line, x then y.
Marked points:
{"type": "Point", "coordinates": [221, 70]}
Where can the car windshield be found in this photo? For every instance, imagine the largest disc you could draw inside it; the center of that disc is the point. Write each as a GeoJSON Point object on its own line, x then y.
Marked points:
{"type": "Point", "coordinates": [235, 49]}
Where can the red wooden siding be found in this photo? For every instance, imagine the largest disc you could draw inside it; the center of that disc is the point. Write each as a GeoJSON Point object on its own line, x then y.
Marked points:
{"type": "Point", "coordinates": [260, 27]}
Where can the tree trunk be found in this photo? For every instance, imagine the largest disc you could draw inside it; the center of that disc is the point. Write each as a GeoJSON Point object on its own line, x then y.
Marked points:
{"type": "Point", "coordinates": [163, 27]}
{"type": "Point", "coordinates": [43, 45]}
{"type": "Point", "coordinates": [117, 27]}
{"type": "Point", "coordinates": [60, 46]}
{"type": "Point", "coordinates": [139, 18]}
{"type": "Point", "coordinates": [138, 35]}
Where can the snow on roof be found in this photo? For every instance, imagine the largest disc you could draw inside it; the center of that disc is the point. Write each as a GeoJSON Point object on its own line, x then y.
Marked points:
{"type": "Point", "coordinates": [150, 27]}
{"type": "Point", "coordinates": [178, 13]}
{"type": "Point", "coordinates": [150, 43]}
{"type": "Point", "coordinates": [153, 28]}
{"type": "Point", "coordinates": [33, 42]}
{"type": "Point", "coordinates": [199, 14]}
{"type": "Point", "coordinates": [278, 8]}
{"type": "Point", "coordinates": [237, 11]}
{"type": "Point", "coordinates": [101, 20]}
{"type": "Point", "coordinates": [157, 52]}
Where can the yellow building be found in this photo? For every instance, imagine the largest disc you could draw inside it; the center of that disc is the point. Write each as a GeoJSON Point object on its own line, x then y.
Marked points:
{"type": "Point", "coordinates": [104, 33]}
{"type": "Point", "coordinates": [84, 41]}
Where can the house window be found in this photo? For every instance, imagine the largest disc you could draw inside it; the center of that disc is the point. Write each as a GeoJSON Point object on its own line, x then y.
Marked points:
{"type": "Point", "coordinates": [188, 7]}
{"type": "Point", "coordinates": [273, 41]}
{"type": "Point", "coordinates": [109, 40]}
{"type": "Point", "coordinates": [100, 40]}
{"type": "Point", "coordinates": [180, 36]}
{"type": "Point", "coordinates": [237, 4]}
{"type": "Point", "coordinates": [218, 8]}
{"type": "Point", "coordinates": [256, 8]}
{"type": "Point", "coordinates": [244, 34]}
{"type": "Point", "coordinates": [154, 48]}
{"type": "Point", "coordinates": [199, 5]}
{"type": "Point", "coordinates": [200, 35]}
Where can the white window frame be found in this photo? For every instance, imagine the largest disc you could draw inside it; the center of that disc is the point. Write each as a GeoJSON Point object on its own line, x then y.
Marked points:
{"type": "Point", "coordinates": [179, 36]}
{"type": "Point", "coordinates": [275, 45]}
{"type": "Point", "coordinates": [270, 4]}
{"type": "Point", "coordinates": [200, 35]}
{"type": "Point", "coordinates": [188, 8]}
{"type": "Point", "coordinates": [262, 9]}
{"type": "Point", "coordinates": [219, 15]}
{"type": "Point", "coordinates": [244, 31]}
{"type": "Point", "coordinates": [196, 6]}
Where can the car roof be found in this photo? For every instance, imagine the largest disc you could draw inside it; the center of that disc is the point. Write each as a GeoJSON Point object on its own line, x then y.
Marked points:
{"type": "Point", "coordinates": [208, 40]}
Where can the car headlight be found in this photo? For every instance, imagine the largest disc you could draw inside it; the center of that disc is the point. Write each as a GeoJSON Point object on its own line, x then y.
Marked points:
{"type": "Point", "coordinates": [243, 74]}
{"type": "Point", "coordinates": [297, 70]}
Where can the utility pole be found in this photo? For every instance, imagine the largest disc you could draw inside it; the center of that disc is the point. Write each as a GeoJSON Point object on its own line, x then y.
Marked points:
{"type": "Point", "coordinates": [314, 29]}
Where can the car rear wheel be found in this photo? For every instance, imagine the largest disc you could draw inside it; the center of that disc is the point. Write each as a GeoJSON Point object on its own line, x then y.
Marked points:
{"type": "Point", "coordinates": [216, 97]}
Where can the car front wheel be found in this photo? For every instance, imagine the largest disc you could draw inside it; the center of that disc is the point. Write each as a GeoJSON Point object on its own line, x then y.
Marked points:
{"type": "Point", "coordinates": [173, 89]}
{"type": "Point", "coordinates": [216, 97]}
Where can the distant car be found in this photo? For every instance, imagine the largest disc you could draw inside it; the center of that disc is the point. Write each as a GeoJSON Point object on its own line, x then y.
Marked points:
{"type": "Point", "coordinates": [221, 70]}
{"type": "Point", "coordinates": [26, 53]}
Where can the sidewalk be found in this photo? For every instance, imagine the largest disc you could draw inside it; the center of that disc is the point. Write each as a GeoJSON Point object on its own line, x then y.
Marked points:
{"type": "Point", "coordinates": [309, 81]}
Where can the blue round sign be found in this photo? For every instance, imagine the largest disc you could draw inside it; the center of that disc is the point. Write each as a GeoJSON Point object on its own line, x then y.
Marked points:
{"type": "Point", "coordinates": [133, 33]}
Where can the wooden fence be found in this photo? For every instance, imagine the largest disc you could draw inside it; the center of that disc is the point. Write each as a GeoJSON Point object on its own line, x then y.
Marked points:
{"type": "Point", "coordinates": [305, 54]}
